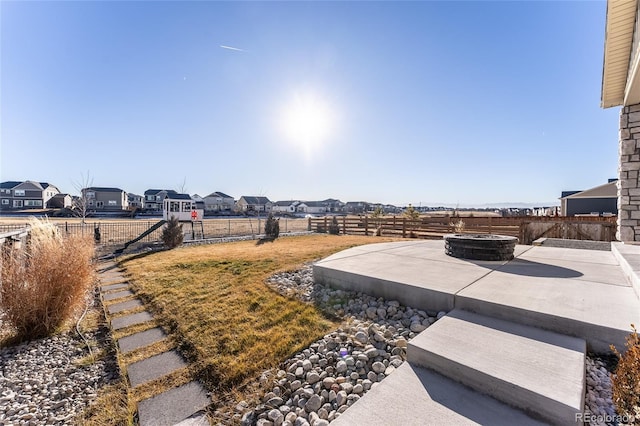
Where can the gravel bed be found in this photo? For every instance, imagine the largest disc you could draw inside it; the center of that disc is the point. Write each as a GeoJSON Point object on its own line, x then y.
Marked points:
{"type": "Point", "coordinates": [318, 384]}
{"type": "Point", "coordinates": [49, 381]}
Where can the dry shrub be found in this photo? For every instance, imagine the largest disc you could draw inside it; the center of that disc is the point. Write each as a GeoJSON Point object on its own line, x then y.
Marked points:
{"type": "Point", "coordinates": [626, 378]}
{"type": "Point", "coordinates": [459, 226]}
{"type": "Point", "coordinates": [172, 235]}
{"type": "Point", "coordinates": [43, 284]}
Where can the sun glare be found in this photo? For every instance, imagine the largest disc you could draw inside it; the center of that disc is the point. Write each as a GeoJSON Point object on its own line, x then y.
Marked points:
{"type": "Point", "coordinates": [307, 122]}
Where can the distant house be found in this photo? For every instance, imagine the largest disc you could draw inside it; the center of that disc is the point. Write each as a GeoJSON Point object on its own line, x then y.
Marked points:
{"type": "Point", "coordinates": [253, 204]}
{"type": "Point", "coordinates": [154, 198]}
{"type": "Point", "coordinates": [333, 205]}
{"type": "Point", "coordinates": [285, 207]}
{"type": "Point", "coordinates": [16, 195]}
{"type": "Point", "coordinates": [135, 201]}
{"type": "Point", "coordinates": [218, 202]}
{"type": "Point", "coordinates": [60, 201]}
{"type": "Point", "coordinates": [356, 207]}
{"type": "Point", "coordinates": [105, 199]}
{"type": "Point", "coordinates": [312, 207]}
{"type": "Point", "coordinates": [601, 200]}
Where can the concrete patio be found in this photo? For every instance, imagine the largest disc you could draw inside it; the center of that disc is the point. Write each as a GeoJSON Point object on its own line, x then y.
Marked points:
{"type": "Point", "coordinates": [517, 332]}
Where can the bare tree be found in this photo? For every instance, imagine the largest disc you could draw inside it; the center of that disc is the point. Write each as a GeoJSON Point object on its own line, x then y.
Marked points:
{"type": "Point", "coordinates": [81, 203]}
{"type": "Point", "coordinates": [182, 187]}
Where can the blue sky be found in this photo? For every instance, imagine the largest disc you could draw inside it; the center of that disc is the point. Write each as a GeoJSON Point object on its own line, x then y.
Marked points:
{"type": "Point", "coordinates": [397, 102]}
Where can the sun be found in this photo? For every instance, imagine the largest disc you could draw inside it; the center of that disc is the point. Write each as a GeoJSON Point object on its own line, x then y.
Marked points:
{"type": "Point", "coordinates": [307, 121]}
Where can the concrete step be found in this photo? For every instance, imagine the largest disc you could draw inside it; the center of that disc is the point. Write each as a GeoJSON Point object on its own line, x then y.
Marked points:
{"type": "Point", "coordinates": [591, 301]}
{"type": "Point", "coordinates": [415, 396]}
{"type": "Point", "coordinates": [537, 371]}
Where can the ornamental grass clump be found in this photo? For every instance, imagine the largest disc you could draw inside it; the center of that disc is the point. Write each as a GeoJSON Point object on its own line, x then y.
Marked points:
{"type": "Point", "coordinates": [45, 282]}
{"type": "Point", "coordinates": [626, 378]}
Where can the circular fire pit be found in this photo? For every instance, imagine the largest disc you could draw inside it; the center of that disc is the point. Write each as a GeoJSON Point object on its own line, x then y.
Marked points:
{"type": "Point", "coordinates": [480, 246]}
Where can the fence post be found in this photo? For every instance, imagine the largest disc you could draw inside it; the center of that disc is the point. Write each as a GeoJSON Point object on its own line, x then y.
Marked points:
{"type": "Point", "coordinates": [489, 224]}
{"type": "Point", "coordinates": [229, 227]}
{"type": "Point", "coordinates": [404, 227]}
{"type": "Point", "coordinates": [344, 225]}
{"type": "Point", "coordinates": [366, 226]}
{"type": "Point", "coordinates": [309, 225]}
{"type": "Point", "coordinates": [325, 224]}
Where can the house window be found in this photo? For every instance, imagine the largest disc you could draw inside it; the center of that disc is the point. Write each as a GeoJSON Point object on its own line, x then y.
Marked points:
{"type": "Point", "coordinates": [33, 203]}
{"type": "Point", "coordinates": [113, 203]}
{"type": "Point", "coordinates": [17, 203]}
{"type": "Point", "coordinates": [18, 192]}
{"type": "Point", "coordinates": [5, 202]}
{"type": "Point", "coordinates": [91, 194]}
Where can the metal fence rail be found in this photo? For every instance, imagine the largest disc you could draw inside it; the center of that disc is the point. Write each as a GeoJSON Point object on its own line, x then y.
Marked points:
{"type": "Point", "coordinates": [120, 232]}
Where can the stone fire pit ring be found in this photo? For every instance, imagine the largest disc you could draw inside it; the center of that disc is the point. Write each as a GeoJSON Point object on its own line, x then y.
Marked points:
{"type": "Point", "coordinates": [480, 246]}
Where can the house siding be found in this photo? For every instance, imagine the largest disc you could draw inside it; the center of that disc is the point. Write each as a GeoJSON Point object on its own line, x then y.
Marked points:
{"type": "Point", "coordinates": [591, 205]}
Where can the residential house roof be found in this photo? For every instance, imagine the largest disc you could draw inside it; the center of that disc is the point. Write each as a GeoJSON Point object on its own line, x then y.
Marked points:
{"type": "Point", "coordinates": [286, 203]}
{"type": "Point", "coordinates": [104, 189]}
{"type": "Point", "coordinates": [314, 203]}
{"type": "Point", "coordinates": [256, 200]}
{"type": "Point", "coordinates": [608, 190]}
{"type": "Point", "coordinates": [157, 191]}
{"type": "Point", "coordinates": [222, 194]}
{"type": "Point", "coordinates": [176, 196]}
{"type": "Point", "coordinates": [9, 184]}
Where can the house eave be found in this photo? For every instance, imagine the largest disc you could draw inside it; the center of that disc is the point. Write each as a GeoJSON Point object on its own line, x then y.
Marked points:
{"type": "Point", "coordinates": [620, 78]}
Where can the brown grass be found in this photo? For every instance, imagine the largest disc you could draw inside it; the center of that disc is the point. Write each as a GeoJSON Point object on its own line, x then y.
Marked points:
{"type": "Point", "coordinates": [218, 310]}
{"type": "Point", "coordinates": [46, 282]}
{"type": "Point", "coordinates": [626, 378]}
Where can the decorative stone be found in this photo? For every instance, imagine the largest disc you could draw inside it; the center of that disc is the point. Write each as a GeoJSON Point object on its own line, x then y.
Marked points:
{"type": "Point", "coordinates": [313, 404]}
{"type": "Point", "coordinates": [378, 367]}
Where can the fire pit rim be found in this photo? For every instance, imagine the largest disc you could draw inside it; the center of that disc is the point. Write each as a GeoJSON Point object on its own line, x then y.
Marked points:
{"type": "Point", "coordinates": [492, 247]}
{"type": "Point", "coordinates": [479, 237]}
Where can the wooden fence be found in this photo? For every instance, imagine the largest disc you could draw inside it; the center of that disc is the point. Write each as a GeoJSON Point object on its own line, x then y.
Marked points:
{"type": "Point", "coordinates": [526, 228]}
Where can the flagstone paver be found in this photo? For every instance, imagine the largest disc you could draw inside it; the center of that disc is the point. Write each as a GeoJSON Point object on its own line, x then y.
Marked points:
{"type": "Point", "coordinates": [129, 320]}
{"type": "Point", "coordinates": [173, 406]}
{"type": "Point", "coordinates": [124, 306]}
{"type": "Point", "coordinates": [110, 287]}
{"type": "Point", "coordinates": [118, 295]}
{"type": "Point", "coordinates": [140, 340]}
{"type": "Point", "coordinates": [154, 367]}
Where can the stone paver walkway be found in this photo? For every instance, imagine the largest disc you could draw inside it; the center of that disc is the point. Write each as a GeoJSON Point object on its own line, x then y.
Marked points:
{"type": "Point", "coordinates": [182, 405]}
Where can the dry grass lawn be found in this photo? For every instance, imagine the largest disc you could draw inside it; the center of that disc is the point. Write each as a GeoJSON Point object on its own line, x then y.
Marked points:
{"type": "Point", "coordinates": [218, 310]}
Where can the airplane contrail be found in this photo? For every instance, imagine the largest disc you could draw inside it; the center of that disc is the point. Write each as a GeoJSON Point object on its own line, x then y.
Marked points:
{"type": "Point", "coordinates": [232, 48]}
